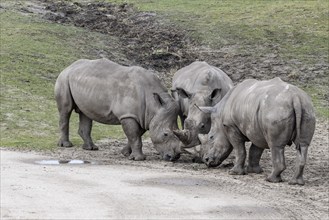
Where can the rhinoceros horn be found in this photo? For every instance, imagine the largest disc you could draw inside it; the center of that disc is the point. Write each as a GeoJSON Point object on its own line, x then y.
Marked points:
{"type": "Point", "coordinates": [183, 135]}
{"type": "Point", "coordinates": [203, 138]}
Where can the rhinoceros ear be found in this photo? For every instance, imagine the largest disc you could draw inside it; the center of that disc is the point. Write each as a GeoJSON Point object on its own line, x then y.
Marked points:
{"type": "Point", "coordinates": [184, 94]}
{"type": "Point", "coordinates": [206, 110]}
{"type": "Point", "coordinates": [215, 95]}
{"type": "Point", "coordinates": [159, 99]}
{"type": "Point", "coordinates": [174, 94]}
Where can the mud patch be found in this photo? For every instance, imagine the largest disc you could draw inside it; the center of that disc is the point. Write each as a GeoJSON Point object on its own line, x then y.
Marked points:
{"type": "Point", "coordinates": [146, 39]}
{"type": "Point", "coordinates": [312, 198]}
{"type": "Point", "coordinates": [149, 40]}
{"type": "Point", "coordinates": [248, 212]}
{"type": "Point", "coordinates": [58, 162]}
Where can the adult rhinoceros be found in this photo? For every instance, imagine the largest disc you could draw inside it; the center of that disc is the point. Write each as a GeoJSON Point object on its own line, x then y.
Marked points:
{"type": "Point", "coordinates": [106, 92]}
{"type": "Point", "coordinates": [198, 84]}
{"type": "Point", "coordinates": [270, 114]}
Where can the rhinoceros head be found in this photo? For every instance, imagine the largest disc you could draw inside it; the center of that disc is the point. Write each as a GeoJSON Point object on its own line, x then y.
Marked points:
{"type": "Point", "coordinates": [197, 122]}
{"type": "Point", "coordinates": [162, 126]}
{"type": "Point", "coordinates": [215, 147]}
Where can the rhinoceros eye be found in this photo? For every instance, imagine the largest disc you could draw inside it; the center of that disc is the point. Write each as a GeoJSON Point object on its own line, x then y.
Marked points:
{"type": "Point", "coordinates": [211, 137]}
{"type": "Point", "coordinates": [165, 134]}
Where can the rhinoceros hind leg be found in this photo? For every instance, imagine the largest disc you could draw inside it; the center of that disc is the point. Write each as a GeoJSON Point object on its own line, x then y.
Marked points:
{"type": "Point", "coordinates": [301, 161]}
{"type": "Point", "coordinates": [278, 164]}
{"type": "Point", "coordinates": [85, 125]}
{"type": "Point", "coordinates": [297, 181]}
{"type": "Point", "coordinates": [134, 134]}
{"type": "Point", "coordinates": [255, 154]}
{"type": "Point", "coordinates": [64, 120]}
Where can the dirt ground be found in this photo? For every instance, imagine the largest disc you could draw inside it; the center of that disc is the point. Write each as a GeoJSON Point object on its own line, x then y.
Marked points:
{"type": "Point", "coordinates": [30, 190]}
{"type": "Point", "coordinates": [293, 202]}
{"type": "Point", "coordinates": [283, 201]}
{"type": "Point", "coordinates": [174, 51]}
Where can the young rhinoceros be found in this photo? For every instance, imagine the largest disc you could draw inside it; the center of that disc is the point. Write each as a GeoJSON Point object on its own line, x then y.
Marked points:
{"type": "Point", "coordinates": [270, 114]}
{"type": "Point", "coordinates": [109, 93]}
{"type": "Point", "coordinates": [198, 84]}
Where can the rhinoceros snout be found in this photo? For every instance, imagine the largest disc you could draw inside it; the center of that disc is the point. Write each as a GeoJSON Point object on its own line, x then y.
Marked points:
{"type": "Point", "coordinates": [169, 157]}
{"type": "Point", "coordinates": [210, 162]}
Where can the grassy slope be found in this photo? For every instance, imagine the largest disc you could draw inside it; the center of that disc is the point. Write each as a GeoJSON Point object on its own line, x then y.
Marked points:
{"type": "Point", "coordinates": [298, 30]}
{"type": "Point", "coordinates": [33, 53]}
{"type": "Point", "coordinates": [299, 27]}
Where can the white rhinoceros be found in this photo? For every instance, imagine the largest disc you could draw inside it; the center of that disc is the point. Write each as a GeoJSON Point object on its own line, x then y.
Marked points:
{"type": "Point", "coordinates": [198, 84]}
{"type": "Point", "coordinates": [270, 114]}
{"type": "Point", "coordinates": [106, 92]}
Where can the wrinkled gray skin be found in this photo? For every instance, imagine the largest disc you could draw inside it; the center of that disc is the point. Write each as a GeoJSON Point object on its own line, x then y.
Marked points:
{"type": "Point", "coordinates": [270, 114]}
{"type": "Point", "coordinates": [106, 92]}
{"type": "Point", "coordinates": [198, 84]}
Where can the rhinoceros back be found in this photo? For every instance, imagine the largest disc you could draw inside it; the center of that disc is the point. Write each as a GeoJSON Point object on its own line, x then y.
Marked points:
{"type": "Point", "coordinates": [201, 75]}
{"type": "Point", "coordinates": [108, 92]}
{"type": "Point", "coordinates": [260, 109]}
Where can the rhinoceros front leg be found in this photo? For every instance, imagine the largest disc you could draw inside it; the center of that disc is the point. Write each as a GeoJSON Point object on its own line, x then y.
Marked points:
{"type": "Point", "coordinates": [134, 134]}
{"type": "Point", "coordinates": [238, 144]}
{"type": "Point", "coordinates": [278, 164]}
{"type": "Point", "coordinates": [85, 125]}
{"type": "Point", "coordinates": [240, 158]}
{"type": "Point", "coordinates": [255, 153]}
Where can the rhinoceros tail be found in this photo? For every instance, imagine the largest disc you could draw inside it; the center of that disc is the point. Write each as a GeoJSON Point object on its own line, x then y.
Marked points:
{"type": "Point", "coordinates": [298, 118]}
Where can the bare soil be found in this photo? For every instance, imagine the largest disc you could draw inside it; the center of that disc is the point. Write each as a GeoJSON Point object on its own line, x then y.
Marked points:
{"type": "Point", "coordinates": [310, 201]}
{"type": "Point", "coordinates": [30, 190]}
{"type": "Point", "coordinates": [150, 42]}
{"type": "Point", "coordinates": [145, 39]}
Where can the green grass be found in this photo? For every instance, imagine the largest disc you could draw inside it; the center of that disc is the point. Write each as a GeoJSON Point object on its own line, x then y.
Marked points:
{"type": "Point", "coordinates": [300, 28]}
{"type": "Point", "coordinates": [33, 53]}
{"type": "Point", "coordinates": [319, 100]}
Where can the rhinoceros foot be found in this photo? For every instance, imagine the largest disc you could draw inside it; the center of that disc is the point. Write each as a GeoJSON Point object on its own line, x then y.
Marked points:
{"type": "Point", "coordinates": [274, 179]}
{"type": "Point", "coordinates": [237, 171]}
{"type": "Point", "coordinates": [137, 156]}
{"type": "Point", "coordinates": [296, 181]}
{"type": "Point", "coordinates": [255, 169]}
{"type": "Point", "coordinates": [65, 144]}
{"type": "Point", "coordinates": [126, 151]}
{"type": "Point", "coordinates": [197, 159]}
{"type": "Point", "coordinates": [89, 147]}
